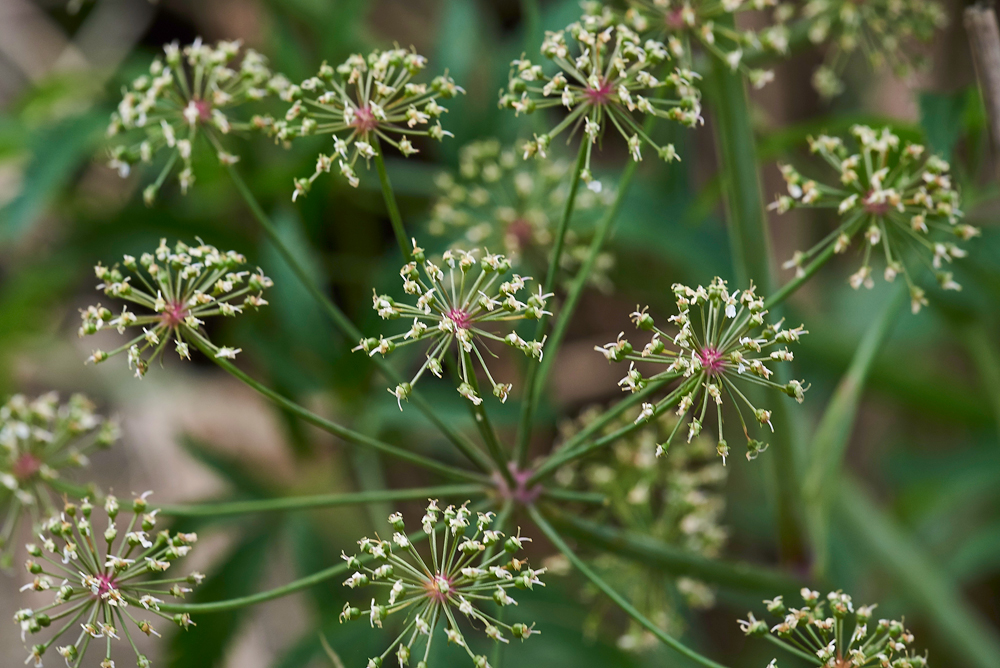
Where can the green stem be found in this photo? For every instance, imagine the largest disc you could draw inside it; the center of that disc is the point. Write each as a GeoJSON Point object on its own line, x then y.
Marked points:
{"type": "Point", "coordinates": [921, 582]}
{"type": "Point", "coordinates": [390, 204]}
{"type": "Point", "coordinates": [319, 501]}
{"type": "Point", "coordinates": [336, 429]}
{"type": "Point", "coordinates": [346, 327]}
{"type": "Point", "coordinates": [529, 400]}
{"type": "Point", "coordinates": [484, 425]}
{"type": "Point", "coordinates": [829, 444]}
{"type": "Point", "coordinates": [981, 348]}
{"type": "Point", "coordinates": [789, 288]}
{"type": "Point", "coordinates": [618, 599]}
{"type": "Point", "coordinates": [654, 553]}
{"type": "Point", "coordinates": [751, 248]}
{"type": "Point", "coordinates": [575, 496]}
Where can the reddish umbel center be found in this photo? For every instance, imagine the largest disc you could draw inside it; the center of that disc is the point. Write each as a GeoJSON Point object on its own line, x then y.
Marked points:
{"type": "Point", "coordinates": [876, 208]}
{"type": "Point", "coordinates": [104, 584]}
{"type": "Point", "coordinates": [520, 230]}
{"type": "Point", "coordinates": [600, 95]}
{"type": "Point", "coordinates": [521, 493]}
{"type": "Point", "coordinates": [174, 314]}
{"type": "Point", "coordinates": [711, 361]}
{"type": "Point", "coordinates": [438, 587]}
{"type": "Point", "coordinates": [204, 110]}
{"type": "Point", "coordinates": [364, 120]}
{"type": "Point", "coordinates": [459, 317]}
{"type": "Point", "coordinates": [674, 19]}
{"type": "Point", "coordinates": [26, 466]}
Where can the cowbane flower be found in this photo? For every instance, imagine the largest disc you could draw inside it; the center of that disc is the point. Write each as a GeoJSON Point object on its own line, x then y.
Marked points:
{"type": "Point", "coordinates": [192, 95]}
{"type": "Point", "coordinates": [362, 102]}
{"type": "Point", "coordinates": [497, 201]}
{"type": "Point", "coordinates": [607, 78]}
{"type": "Point", "coordinates": [103, 581]}
{"type": "Point", "coordinates": [456, 305]}
{"type": "Point", "coordinates": [833, 632]}
{"type": "Point", "coordinates": [678, 501]}
{"type": "Point", "coordinates": [711, 26]}
{"type": "Point", "coordinates": [882, 30]}
{"type": "Point", "coordinates": [178, 288]}
{"type": "Point", "coordinates": [721, 343]}
{"type": "Point", "coordinates": [892, 198]}
{"type": "Point", "coordinates": [40, 441]}
{"type": "Point", "coordinates": [470, 563]}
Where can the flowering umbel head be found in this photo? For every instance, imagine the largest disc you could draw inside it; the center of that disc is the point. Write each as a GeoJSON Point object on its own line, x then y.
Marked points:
{"type": "Point", "coordinates": [470, 563]}
{"type": "Point", "coordinates": [361, 102]}
{"type": "Point", "coordinates": [881, 29]}
{"type": "Point", "coordinates": [721, 343]}
{"type": "Point", "coordinates": [103, 580]}
{"type": "Point", "coordinates": [836, 633]}
{"type": "Point", "coordinates": [677, 500]}
{"type": "Point", "coordinates": [605, 78]}
{"type": "Point", "coordinates": [498, 201]}
{"type": "Point", "coordinates": [179, 286]}
{"type": "Point", "coordinates": [40, 440]}
{"type": "Point", "coordinates": [192, 94]}
{"type": "Point", "coordinates": [457, 304]}
{"type": "Point", "coordinates": [899, 201]}
{"type": "Point", "coordinates": [680, 23]}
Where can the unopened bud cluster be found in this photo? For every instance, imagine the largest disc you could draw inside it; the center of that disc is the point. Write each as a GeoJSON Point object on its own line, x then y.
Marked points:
{"type": "Point", "coordinates": [721, 344]}
{"type": "Point", "coordinates": [899, 200]}
{"type": "Point", "coordinates": [607, 77]}
{"type": "Point", "coordinates": [102, 580]}
{"type": "Point", "coordinates": [362, 102]}
{"type": "Point", "coordinates": [455, 305]}
{"type": "Point", "coordinates": [181, 286]}
{"type": "Point", "coordinates": [191, 94]}
{"type": "Point", "coordinates": [40, 440]}
{"type": "Point", "coordinates": [497, 201]}
{"type": "Point", "coordinates": [470, 563]}
{"type": "Point", "coordinates": [836, 633]}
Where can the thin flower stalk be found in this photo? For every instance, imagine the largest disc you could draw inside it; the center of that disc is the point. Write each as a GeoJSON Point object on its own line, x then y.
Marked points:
{"type": "Point", "coordinates": [361, 102]}
{"type": "Point", "coordinates": [40, 441]}
{"type": "Point", "coordinates": [721, 344]}
{"type": "Point", "coordinates": [901, 202]}
{"type": "Point", "coordinates": [456, 307]}
{"type": "Point", "coordinates": [605, 79]}
{"type": "Point", "coordinates": [712, 25]}
{"type": "Point", "coordinates": [191, 94]}
{"type": "Point", "coordinates": [832, 633]}
{"type": "Point", "coordinates": [464, 571]}
{"type": "Point", "coordinates": [98, 580]}
{"type": "Point", "coordinates": [182, 286]}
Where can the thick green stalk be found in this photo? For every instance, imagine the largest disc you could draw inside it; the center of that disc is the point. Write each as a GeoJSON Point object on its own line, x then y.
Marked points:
{"type": "Point", "coordinates": [346, 327]}
{"type": "Point", "coordinates": [618, 599]}
{"type": "Point", "coordinates": [751, 248]}
{"type": "Point", "coordinates": [789, 288]}
{"type": "Point", "coordinates": [319, 501]}
{"type": "Point", "coordinates": [653, 553]}
{"type": "Point", "coordinates": [829, 444]}
{"type": "Point", "coordinates": [337, 430]}
{"type": "Point", "coordinates": [390, 204]}
{"type": "Point", "coordinates": [921, 582]}
{"type": "Point", "coordinates": [529, 400]}
{"type": "Point", "coordinates": [981, 347]}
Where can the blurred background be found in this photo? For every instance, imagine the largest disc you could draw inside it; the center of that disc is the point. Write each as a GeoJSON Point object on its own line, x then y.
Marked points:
{"type": "Point", "coordinates": [925, 446]}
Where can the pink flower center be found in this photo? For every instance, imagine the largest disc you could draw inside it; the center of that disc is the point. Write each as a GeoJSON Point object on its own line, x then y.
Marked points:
{"type": "Point", "coordinates": [204, 108]}
{"type": "Point", "coordinates": [520, 231]}
{"type": "Point", "coordinates": [521, 493]}
{"type": "Point", "coordinates": [459, 317]}
{"type": "Point", "coordinates": [105, 584]}
{"type": "Point", "coordinates": [875, 208]}
{"type": "Point", "coordinates": [600, 95]}
{"type": "Point", "coordinates": [711, 361]}
{"type": "Point", "coordinates": [364, 120]}
{"type": "Point", "coordinates": [26, 466]}
{"type": "Point", "coordinates": [438, 587]}
{"type": "Point", "coordinates": [674, 19]}
{"type": "Point", "coordinates": [174, 314]}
